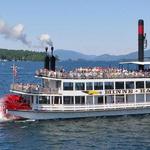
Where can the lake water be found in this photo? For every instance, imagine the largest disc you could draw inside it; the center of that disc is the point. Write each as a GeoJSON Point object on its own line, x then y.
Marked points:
{"type": "Point", "coordinates": [123, 133]}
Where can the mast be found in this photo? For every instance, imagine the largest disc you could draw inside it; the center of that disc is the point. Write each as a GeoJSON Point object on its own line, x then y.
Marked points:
{"type": "Point", "coordinates": [14, 72]}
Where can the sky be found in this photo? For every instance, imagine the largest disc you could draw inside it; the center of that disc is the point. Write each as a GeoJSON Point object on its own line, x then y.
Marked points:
{"type": "Point", "coordinates": [87, 26]}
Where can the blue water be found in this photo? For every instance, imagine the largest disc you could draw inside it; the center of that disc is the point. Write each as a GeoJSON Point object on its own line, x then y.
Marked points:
{"type": "Point", "coordinates": [123, 133]}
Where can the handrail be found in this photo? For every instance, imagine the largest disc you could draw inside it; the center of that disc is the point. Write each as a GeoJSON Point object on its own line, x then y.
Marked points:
{"type": "Point", "coordinates": [60, 107]}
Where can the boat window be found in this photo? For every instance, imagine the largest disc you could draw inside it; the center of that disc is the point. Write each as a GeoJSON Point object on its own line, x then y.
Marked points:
{"type": "Point", "coordinates": [79, 99]}
{"type": "Point", "coordinates": [130, 85]}
{"type": "Point", "coordinates": [109, 85]}
{"type": "Point", "coordinates": [129, 98]}
{"type": "Point", "coordinates": [89, 100]}
{"type": "Point", "coordinates": [139, 84]}
{"type": "Point", "coordinates": [98, 85]}
{"type": "Point", "coordinates": [68, 100]}
{"type": "Point", "coordinates": [147, 84]}
{"type": "Point", "coordinates": [57, 100]}
{"type": "Point", "coordinates": [68, 86]}
{"type": "Point", "coordinates": [148, 97]}
{"type": "Point", "coordinates": [43, 100]}
{"type": "Point", "coordinates": [48, 100]}
{"type": "Point", "coordinates": [119, 98]}
{"type": "Point", "coordinates": [46, 83]}
{"type": "Point", "coordinates": [79, 86]}
{"type": "Point", "coordinates": [58, 84]}
{"type": "Point", "coordinates": [98, 100]}
{"type": "Point", "coordinates": [139, 98]}
{"type": "Point", "coordinates": [89, 86]}
{"type": "Point", "coordinates": [119, 85]}
{"type": "Point", "coordinates": [28, 99]}
{"type": "Point", "coordinates": [24, 98]}
{"type": "Point", "coordinates": [109, 99]}
{"type": "Point", "coordinates": [37, 99]}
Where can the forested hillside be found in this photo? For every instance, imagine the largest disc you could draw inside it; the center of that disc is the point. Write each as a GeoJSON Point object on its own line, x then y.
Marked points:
{"type": "Point", "coordinates": [21, 55]}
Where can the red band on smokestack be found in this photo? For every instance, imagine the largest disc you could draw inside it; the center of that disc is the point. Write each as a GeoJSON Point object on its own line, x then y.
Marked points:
{"type": "Point", "coordinates": [141, 29]}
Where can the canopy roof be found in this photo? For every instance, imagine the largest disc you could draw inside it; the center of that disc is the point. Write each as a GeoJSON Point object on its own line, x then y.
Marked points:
{"type": "Point", "coordinates": [136, 62]}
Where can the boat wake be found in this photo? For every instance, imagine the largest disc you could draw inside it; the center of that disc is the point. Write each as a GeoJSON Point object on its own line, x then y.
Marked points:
{"type": "Point", "coordinates": [11, 102]}
{"type": "Point", "coordinates": [28, 120]}
{"type": "Point", "coordinates": [3, 118]}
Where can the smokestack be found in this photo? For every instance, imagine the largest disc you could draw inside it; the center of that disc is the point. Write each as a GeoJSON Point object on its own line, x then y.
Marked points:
{"type": "Point", "coordinates": [46, 61]}
{"type": "Point", "coordinates": [52, 60]}
{"type": "Point", "coordinates": [141, 38]}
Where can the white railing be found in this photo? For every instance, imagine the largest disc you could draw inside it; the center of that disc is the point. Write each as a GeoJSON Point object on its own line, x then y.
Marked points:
{"type": "Point", "coordinates": [60, 107]}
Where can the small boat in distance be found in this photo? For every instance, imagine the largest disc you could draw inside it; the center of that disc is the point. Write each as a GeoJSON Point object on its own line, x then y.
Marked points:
{"type": "Point", "coordinates": [83, 92]}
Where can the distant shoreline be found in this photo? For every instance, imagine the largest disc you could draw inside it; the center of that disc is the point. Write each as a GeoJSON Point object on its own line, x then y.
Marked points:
{"type": "Point", "coordinates": [22, 55]}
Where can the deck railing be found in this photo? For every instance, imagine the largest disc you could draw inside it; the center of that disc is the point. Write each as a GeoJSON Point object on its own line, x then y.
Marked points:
{"type": "Point", "coordinates": [61, 107]}
{"type": "Point", "coordinates": [32, 88]}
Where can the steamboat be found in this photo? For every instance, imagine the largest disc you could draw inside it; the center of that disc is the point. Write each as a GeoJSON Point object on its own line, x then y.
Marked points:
{"type": "Point", "coordinates": [83, 92]}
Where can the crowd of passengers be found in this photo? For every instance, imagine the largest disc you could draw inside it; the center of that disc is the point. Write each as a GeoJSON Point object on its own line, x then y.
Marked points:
{"type": "Point", "coordinates": [31, 88]}
{"type": "Point", "coordinates": [94, 73]}
{"type": "Point", "coordinates": [25, 87]}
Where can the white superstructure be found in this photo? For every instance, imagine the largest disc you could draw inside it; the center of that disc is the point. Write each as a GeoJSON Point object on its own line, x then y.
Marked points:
{"type": "Point", "coordinates": [61, 93]}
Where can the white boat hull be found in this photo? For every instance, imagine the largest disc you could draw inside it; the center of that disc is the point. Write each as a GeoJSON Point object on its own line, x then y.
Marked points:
{"type": "Point", "coordinates": [48, 115]}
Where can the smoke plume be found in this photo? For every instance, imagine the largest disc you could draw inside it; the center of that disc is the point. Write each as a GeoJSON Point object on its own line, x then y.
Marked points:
{"type": "Point", "coordinates": [45, 39]}
{"type": "Point", "coordinates": [15, 33]}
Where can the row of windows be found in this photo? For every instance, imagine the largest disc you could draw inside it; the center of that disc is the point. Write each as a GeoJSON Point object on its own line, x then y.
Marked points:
{"type": "Point", "coordinates": [107, 85]}
{"type": "Point", "coordinates": [108, 99]}
{"type": "Point", "coordinates": [58, 100]}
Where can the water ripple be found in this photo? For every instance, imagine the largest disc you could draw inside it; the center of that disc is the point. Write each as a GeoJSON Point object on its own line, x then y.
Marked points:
{"type": "Point", "coordinates": [97, 133]}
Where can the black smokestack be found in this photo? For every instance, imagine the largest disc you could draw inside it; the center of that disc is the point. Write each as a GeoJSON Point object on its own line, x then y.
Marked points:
{"type": "Point", "coordinates": [141, 43]}
{"type": "Point", "coordinates": [52, 59]}
{"type": "Point", "coordinates": [46, 61]}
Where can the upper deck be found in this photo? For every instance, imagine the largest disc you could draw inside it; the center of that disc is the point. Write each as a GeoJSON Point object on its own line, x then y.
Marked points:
{"type": "Point", "coordinates": [93, 73]}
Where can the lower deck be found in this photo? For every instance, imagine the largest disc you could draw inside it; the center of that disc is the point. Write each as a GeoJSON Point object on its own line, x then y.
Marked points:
{"type": "Point", "coordinates": [84, 103]}
{"type": "Point", "coordinates": [89, 107]}
{"type": "Point", "coordinates": [81, 106]}
{"type": "Point", "coordinates": [47, 115]}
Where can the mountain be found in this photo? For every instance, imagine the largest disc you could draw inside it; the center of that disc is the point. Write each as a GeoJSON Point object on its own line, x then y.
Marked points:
{"type": "Point", "coordinates": [64, 55]}
{"type": "Point", "coordinates": [73, 55]}
{"type": "Point", "coordinates": [130, 56]}
{"type": "Point", "coordinates": [107, 57]}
